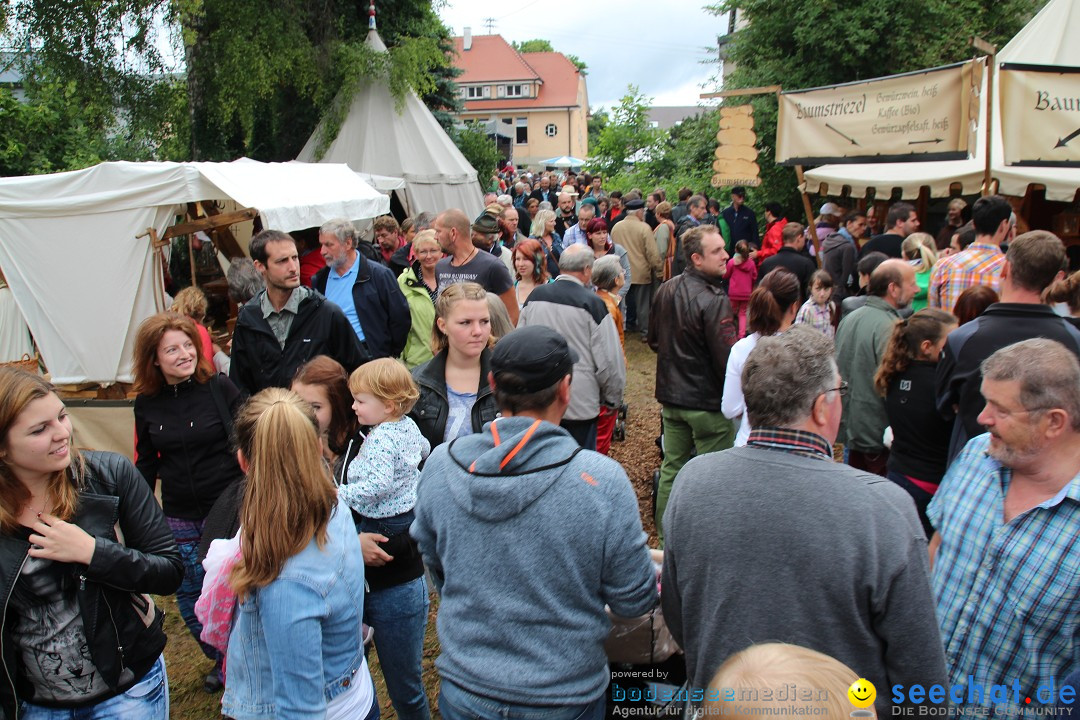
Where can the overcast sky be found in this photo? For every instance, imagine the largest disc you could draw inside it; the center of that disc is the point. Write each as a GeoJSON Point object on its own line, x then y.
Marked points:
{"type": "Point", "coordinates": [657, 46]}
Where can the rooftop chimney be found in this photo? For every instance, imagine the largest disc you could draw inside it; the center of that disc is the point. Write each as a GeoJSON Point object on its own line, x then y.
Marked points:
{"type": "Point", "coordinates": [467, 40]}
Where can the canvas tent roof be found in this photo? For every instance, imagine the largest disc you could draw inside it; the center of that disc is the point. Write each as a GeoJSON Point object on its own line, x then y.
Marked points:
{"type": "Point", "coordinates": [375, 138]}
{"type": "Point", "coordinates": [1048, 39]}
{"type": "Point", "coordinates": [82, 278]}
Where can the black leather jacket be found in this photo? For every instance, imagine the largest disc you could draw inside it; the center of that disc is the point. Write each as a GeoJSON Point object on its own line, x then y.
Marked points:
{"type": "Point", "coordinates": [691, 329]}
{"type": "Point", "coordinates": [432, 408]}
{"type": "Point", "coordinates": [110, 588]}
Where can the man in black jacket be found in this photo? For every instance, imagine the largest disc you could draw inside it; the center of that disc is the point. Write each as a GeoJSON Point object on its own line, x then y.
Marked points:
{"type": "Point", "coordinates": [366, 292]}
{"type": "Point", "coordinates": [692, 329]}
{"type": "Point", "coordinates": [790, 256]}
{"type": "Point", "coordinates": [1032, 263]}
{"type": "Point", "coordinates": [286, 324]}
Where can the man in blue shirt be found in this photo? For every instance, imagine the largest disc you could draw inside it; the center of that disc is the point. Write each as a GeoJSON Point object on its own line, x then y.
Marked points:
{"type": "Point", "coordinates": [366, 292]}
{"type": "Point", "coordinates": [1006, 554]}
{"type": "Point", "coordinates": [740, 219]}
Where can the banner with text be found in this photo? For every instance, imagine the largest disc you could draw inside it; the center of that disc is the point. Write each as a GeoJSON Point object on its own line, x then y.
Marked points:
{"type": "Point", "coordinates": [919, 116]}
{"type": "Point", "coordinates": [1040, 115]}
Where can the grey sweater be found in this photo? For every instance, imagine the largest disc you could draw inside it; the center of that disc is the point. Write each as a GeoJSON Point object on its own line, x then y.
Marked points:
{"type": "Point", "coordinates": [526, 555]}
{"type": "Point", "coordinates": [768, 546]}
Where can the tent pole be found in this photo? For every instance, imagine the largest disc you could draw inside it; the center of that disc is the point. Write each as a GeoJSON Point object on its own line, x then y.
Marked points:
{"type": "Point", "coordinates": [991, 63]}
{"type": "Point", "coordinates": [191, 257]}
{"type": "Point", "coordinates": [809, 213]}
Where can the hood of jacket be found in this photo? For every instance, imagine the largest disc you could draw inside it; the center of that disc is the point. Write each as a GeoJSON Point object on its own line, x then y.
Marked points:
{"type": "Point", "coordinates": [509, 465]}
{"type": "Point", "coordinates": [744, 267]}
{"type": "Point", "coordinates": [834, 241]}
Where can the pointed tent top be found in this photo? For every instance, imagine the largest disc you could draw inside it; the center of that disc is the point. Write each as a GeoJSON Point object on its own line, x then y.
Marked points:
{"type": "Point", "coordinates": [371, 15]}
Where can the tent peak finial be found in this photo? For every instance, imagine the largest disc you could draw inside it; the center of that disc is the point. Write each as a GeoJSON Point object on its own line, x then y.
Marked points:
{"type": "Point", "coordinates": [371, 15]}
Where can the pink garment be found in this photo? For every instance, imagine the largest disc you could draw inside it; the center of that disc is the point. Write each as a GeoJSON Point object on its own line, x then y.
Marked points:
{"type": "Point", "coordinates": [217, 603]}
{"type": "Point", "coordinates": [741, 277]}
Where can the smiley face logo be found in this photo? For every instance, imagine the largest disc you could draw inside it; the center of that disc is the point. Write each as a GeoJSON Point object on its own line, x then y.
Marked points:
{"type": "Point", "coordinates": [862, 693]}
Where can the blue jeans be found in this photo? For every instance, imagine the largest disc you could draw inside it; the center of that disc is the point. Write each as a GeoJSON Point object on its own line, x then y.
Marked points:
{"type": "Point", "coordinates": [456, 703]}
{"type": "Point", "coordinates": [188, 535]}
{"type": "Point", "coordinates": [147, 699]}
{"type": "Point", "coordinates": [399, 616]}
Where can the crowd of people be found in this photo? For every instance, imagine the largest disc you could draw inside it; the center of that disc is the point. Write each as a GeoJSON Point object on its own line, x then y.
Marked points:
{"type": "Point", "coordinates": [870, 466]}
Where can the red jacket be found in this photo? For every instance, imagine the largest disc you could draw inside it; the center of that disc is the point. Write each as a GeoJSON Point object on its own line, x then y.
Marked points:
{"type": "Point", "coordinates": [771, 243]}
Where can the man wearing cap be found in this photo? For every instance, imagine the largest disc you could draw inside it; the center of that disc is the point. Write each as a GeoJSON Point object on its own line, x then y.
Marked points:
{"type": "Point", "coordinates": [645, 262]}
{"type": "Point", "coordinates": [579, 315]}
{"type": "Point", "coordinates": [485, 235]}
{"type": "Point", "coordinates": [575, 234]}
{"type": "Point", "coordinates": [466, 263]}
{"type": "Point", "coordinates": [528, 537]}
{"type": "Point", "coordinates": [740, 219]}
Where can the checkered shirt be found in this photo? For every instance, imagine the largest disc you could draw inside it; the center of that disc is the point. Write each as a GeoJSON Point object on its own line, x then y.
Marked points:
{"type": "Point", "coordinates": [979, 264]}
{"type": "Point", "coordinates": [1008, 594]}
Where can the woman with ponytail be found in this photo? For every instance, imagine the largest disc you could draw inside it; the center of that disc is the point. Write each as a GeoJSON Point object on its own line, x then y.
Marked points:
{"type": "Point", "coordinates": [1067, 291]}
{"type": "Point", "coordinates": [771, 310]}
{"type": "Point", "coordinates": [906, 379]}
{"type": "Point", "coordinates": [920, 249]}
{"type": "Point", "coordinates": [296, 648]}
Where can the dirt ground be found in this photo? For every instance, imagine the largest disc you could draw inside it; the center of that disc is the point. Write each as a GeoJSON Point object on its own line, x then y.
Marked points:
{"type": "Point", "coordinates": [638, 455]}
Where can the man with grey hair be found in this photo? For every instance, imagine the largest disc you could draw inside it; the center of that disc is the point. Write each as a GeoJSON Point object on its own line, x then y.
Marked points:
{"type": "Point", "coordinates": [571, 309]}
{"type": "Point", "coordinates": [575, 234]}
{"type": "Point", "coordinates": [1006, 553]}
{"type": "Point", "coordinates": [786, 545]}
{"type": "Point", "coordinates": [366, 291]}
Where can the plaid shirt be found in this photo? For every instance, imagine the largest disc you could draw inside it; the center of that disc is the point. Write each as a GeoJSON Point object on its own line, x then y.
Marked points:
{"type": "Point", "coordinates": [816, 316]}
{"type": "Point", "coordinates": [979, 264]}
{"type": "Point", "coordinates": [1008, 594]}
{"type": "Point", "coordinates": [799, 442]}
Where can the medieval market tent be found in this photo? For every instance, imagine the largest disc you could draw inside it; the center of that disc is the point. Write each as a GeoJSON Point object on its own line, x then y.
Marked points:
{"type": "Point", "coordinates": [71, 251]}
{"type": "Point", "coordinates": [376, 138]}
{"type": "Point", "coordinates": [1048, 39]}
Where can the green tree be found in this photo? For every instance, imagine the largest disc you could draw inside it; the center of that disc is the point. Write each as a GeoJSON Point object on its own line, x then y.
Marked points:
{"type": "Point", "coordinates": [801, 44]}
{"type": "Point", "coordinates": [598, 120]}
{"type": "Point", "coordinates": [257, 77]}
{"type": "Point", "coordinates": [628, 137]}
{"type": "Point", "coordinates": [478, 149]}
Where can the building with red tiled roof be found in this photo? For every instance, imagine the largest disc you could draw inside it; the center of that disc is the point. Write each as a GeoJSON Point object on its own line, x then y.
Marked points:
{"type": "Point", "coordinates": [537, 100]}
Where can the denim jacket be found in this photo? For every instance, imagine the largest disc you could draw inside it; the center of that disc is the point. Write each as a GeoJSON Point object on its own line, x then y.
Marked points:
{"type": "Point", "coordinates": [312, 610]}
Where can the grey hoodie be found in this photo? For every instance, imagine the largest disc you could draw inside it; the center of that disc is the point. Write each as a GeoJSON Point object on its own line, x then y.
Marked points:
{"type": "Point", "coordinates": [528, 537]}
{"type": "Point", "coordinates": [839, 257]}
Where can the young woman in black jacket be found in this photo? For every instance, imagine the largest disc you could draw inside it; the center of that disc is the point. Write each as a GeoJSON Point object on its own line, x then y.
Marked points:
{"type": "Point", "coordinates": [82, 543]}
{"type": "Point", "coordinates": [455, 396]}
{"type": "Point", "coordinates": [183, 423]}
{"type": "Point", "coordinates": [907, 379]}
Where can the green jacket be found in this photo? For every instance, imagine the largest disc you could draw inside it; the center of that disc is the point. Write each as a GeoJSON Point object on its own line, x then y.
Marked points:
{"type": "Point", "coordinates": [861, 340]}
{"type": "Point", "coordinates": [418, 345]}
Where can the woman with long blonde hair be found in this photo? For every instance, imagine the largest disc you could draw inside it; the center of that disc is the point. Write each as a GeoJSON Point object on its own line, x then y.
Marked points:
{"type": "Point", "coordinates": [920, 249]}
{"type": "Point", "coordinates": [296, 647]}
{"type": "Point", "coordinates": [83, 543]}
{"type": "Point", "coordinates": [543, 231]}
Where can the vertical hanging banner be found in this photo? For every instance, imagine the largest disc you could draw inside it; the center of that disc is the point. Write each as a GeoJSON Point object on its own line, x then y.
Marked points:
{"type": "Point", "coordinates": [736, 154]}
{"type": "Point", "coordinates": [1040, 115]}
{"type": "Point", "coordinates": [924, 115]}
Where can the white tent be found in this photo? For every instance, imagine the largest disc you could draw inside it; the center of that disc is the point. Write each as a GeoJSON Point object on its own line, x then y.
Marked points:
{"type": "Point", "coordinates": [1048, 39]}
{"type": "Point", "coordinates": [375, 138]}
{"type": "Point", "coordinates": [84, 280]}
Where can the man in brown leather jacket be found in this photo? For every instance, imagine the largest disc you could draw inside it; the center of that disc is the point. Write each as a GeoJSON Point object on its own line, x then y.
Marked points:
{"type": "Point", "coordinates": [691, 328]}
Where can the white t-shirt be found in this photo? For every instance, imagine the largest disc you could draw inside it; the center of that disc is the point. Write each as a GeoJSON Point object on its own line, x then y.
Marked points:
{"type": "Point", "coordinates": [733, 404]}
{"type": "Point", "coordinates": [354, 703]}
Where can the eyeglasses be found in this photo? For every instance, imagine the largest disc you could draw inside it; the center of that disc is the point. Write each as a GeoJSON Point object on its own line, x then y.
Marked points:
{"type": "Point", "coordinates": [842, 389]}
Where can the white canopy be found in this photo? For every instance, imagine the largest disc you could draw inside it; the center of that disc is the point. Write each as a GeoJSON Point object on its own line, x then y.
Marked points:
{"type": "Point", "coordinates": [1048, 39]}
{"type": "Point", "coordinates": [82, 278]}
{"type": "Point", "coordinates": [375, 138]}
